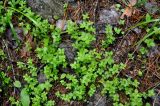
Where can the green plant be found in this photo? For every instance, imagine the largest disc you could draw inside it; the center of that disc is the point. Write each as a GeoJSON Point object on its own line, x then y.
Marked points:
{"type": "Point", "coordinates": [117, 6]}
{"type": "Point", "coordinates": [130, 56]}
{"type": "Point", "coordinates": [5, 80]}
{"type": "Point", "coordinates": [17, 84]}
{"type": "Point", "coordinates": [149, 42]}
{"type": "Point", "coordinates": [140, 73]}
{"type": "Point", "coordinates": [117, 30]}
{"type": "Point", "coordinates": [143, 50]}
{"type": "Point", "coordinates": [65, 6]}
{"type": "Point", "coordinates": [90, 66]}
{"type": "Point", "coordinates": [141, 2]}
{"type": "Point", "coordinates": [34, 91]}
{"type": "Point", "coordinates": [2, 55]}
{"type": "Point", "coordinates": [110, 38]}
{"type": "Point", "coordinates": [121, 22]}
{"type": "Point", "coordinates": [25, 99]}
{"type": "Point", "coordinates": [150, 37]}
{"type": "Point", "coordinates": [138, 2]}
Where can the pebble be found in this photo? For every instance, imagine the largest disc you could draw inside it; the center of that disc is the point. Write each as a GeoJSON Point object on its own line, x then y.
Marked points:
{"type": "Point", "coordinates": [70, 52]}
{"type": "Point", "coordinates": [154, 51]}
{"type": "Point", "coordinates": [61, 24]}
{"type": "Point", "coordinates": [137, 30]}
{"type": "Point", "coordinates": [109, 16]}
{"type": "Point", "coordinates": [41, 77]}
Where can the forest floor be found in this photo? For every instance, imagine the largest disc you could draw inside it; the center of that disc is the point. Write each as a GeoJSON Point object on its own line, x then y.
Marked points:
{"type": "Point", "coordinates": [137, 45]}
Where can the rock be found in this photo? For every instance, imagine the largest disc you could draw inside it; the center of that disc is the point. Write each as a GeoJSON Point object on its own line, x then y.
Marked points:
{"type": "Point", "coordinates": [62, 24]}
{"type": "Point", "coordinates": [41, 77]}
{"type": "Point", "coordinates": [10, 36]}
{"type": "Point", "coordinates": [70, 52]}
{"type": "Point", "coordinates": [100, 28]}
{"type": "Point", "coordinates": [137, 30]}
{"type": "Point", "coordinates": [98, 100]}
{"type": "Point", "coordinates": [156, 98]}
{"type": "Point", "coordinates": [152, 7]}
{"type": "Point", "coordinates": [70, 1]}
{"type": "Point", "coordinates": [47, 8]}
{"type": "Point", "coordinates": [109, 16]}
{"type": "Point", "coordinates": [13, 39]}
{"type": "Point", "coordinates": [154, 51]}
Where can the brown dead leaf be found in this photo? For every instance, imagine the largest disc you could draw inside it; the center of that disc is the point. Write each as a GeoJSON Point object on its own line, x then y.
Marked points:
{"type": "Point", "coordinates": [127, 12]}
{"type": "Point", "coordinates": [129, 9]}
{"type": "Point", "coordinates": [28, 43]}
{"type": "Point", "coordinates": [24, 53]}
{"type": "Point", "coordinates": [29, 39]}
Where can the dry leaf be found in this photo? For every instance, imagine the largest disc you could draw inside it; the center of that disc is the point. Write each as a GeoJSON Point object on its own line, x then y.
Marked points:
{"type": "Point", "coordinates": [129, 9]}
{"type": "Point", "coordinates": [29, 42]}
{"type": "Point", "coordinates": [127, 12]}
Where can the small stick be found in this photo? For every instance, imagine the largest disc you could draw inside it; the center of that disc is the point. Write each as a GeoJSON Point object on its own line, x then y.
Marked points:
{"type": "Point", "coordinates": [10, 60]}
{"type": "Point", "coordinates": [98, 101]}
{"type": "Point", "coordinates": [5, 1]}
{"type": "Point", "coordinates": [95, 10]}
{"type": "Point", "coordinates": [156, 98]}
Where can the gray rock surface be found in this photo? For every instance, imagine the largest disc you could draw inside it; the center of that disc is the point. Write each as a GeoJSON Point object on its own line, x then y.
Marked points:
{"type": "Point", "coordinates": [62, 24]}
{"type": "Point", "coordinates": [152, 7]}
{"type": "Point", "coordinates": [99, 100]}
{"type": "Point", "coordinates": [70, 52]}
{"type": "Point", "coordinates": [109, 16]}
{"type": "Point", "coordinates": [70, 0]}
{"type": "Point", "coordinates": [41, 77]}
{"type": "Point", "coordinates": [47, 8]}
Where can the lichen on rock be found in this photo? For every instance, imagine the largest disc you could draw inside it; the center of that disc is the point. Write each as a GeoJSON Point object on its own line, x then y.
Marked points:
{"type": "Point", "coordinates": [47, 8]}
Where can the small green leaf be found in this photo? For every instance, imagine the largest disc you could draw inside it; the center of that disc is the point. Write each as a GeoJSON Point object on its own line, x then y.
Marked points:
{"type": "Point", "coordinates": [140, 73]}
{"type": "Point", "coordinates": [117, 30]}
{"type": "Point", "coordinates": [151, 93]}
{"type": "Point", "coordinates": [147, 104]}
{"type": "Point", "coordinates": [17, 84]}
{"type": "Point", "coordinates": [143, 50]}
{"type": "Point", "coordinates": [150, 42]}
{"type": "Point", "coordinates": [148, 17]}
{"type": "Point", "coordinates": [85, 16]}
{"type": "Point", "coordinates": [25, 99]}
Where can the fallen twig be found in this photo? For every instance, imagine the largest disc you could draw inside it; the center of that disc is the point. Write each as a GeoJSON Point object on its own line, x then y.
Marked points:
{"type": "Point", "coordinates": [10, 60]}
